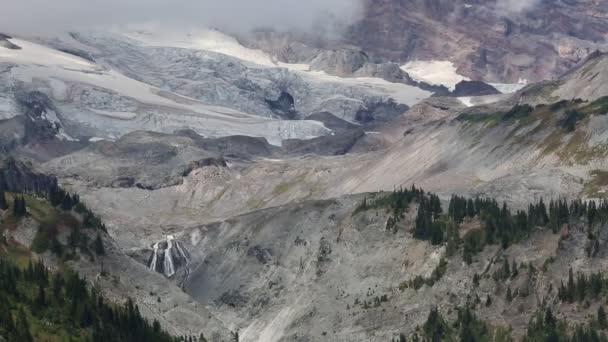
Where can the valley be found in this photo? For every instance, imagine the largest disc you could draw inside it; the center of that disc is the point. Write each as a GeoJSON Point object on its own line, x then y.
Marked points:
{"type": "Point", "coordinates": [437, 172]}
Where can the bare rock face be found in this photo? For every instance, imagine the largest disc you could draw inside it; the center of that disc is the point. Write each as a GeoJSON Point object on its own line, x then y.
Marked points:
{"type": "Point", "coordinates": [37, 106]}
{"type": "Point", "coordinates": [474, 88]}
{"type": "Point", "coordinates": [485, 38]}
{"type": "Point", "coordinates": [342, 61]}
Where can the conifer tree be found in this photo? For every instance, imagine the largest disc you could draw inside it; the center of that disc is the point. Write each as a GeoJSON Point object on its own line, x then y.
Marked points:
{"type": "Point", "coordinates": [514, 271]}
{"type": "Point", "coordinates": [602, 321]}
{"type": "Point", "coordinates": [19, 208]}
{"type": "Point", "coordinates": [22, 327]}
{"type": "Point", "coordinates": [509, 295]}
{"type": "Point", "coordinates": [3, 201]}
{"type": "Point", "coordinates": [40, 298]}
{"type": "Point", "coordinates": [99, 248]}
{"type": "Point", "coordinates": [571, 288]}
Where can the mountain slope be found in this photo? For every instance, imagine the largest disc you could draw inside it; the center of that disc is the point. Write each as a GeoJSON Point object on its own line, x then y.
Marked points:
{"type": "Point", "coordinates": [489, 40]}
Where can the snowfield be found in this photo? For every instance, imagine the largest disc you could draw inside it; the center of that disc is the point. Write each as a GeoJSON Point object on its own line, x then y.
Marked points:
{"type": "Point", "coordinates": [434, 72]}
{"type": "Point", "coordinates": [157, 80]}
{"type": "Point", "coordinates": [68, 79]}
{"type": "Point", "coordinates": [218, 42]}
{"type": "Point", "coordinates": [444, 73]}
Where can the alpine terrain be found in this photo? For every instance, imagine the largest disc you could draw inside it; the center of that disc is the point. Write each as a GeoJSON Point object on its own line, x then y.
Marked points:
{"type": "Point", "coordinates": [416, 170]}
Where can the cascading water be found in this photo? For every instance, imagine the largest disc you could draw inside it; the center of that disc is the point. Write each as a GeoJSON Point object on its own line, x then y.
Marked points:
{"type": "Point", "coordinates": [154, 257]}
{"type": "Point", "coordinates": [168, 256]}
{"type": "Point", "coordinates": [169, 269]}
{"type": "Point", "coordinates": [181, 251]}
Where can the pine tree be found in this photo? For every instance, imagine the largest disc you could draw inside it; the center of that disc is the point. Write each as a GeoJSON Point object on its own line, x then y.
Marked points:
{"type": "Point", "coordinates": [514, 271]}
{"type": "Point", "coordinates": [509, 295]}
{"type": "Point", "coordinates": [40, 298]}
{"type": "Point", "coordinates": [22, 327]}
{"type": "Point", "coordinates": [99, 248]}
{"type": "Point", "coordinates": [506, 269]}
{"type": "Point", "coordinates": [601, 318]}
{"type": "Point", "coordinates": [19, 208]}
{"type": "Point", "coordinates": [470, 208]}
{"type": "Point", "coordinates": [3, 201]}
{"type": "Point", "coordinates": [570, 288]}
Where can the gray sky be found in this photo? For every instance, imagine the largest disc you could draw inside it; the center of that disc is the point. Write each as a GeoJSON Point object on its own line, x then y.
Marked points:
{"type": "Point", "coordinates": [40, 16]}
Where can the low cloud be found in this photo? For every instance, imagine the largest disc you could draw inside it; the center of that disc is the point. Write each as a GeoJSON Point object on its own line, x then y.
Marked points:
{"type": "Point", "coordinates": [44, 16]}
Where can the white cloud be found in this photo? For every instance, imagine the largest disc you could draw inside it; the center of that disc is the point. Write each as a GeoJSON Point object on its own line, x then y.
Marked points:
{"type": "Point", "coordinates": [40, 16]}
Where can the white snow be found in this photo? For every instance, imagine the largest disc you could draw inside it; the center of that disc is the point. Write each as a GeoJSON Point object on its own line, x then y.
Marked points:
{"type": "Point", "coordinates": [96, 139]}
{"type": "Point", "coordinates": [116, 115]}
{"type": "Point", "coordinates": [154, 109]}
{"type": "Point", "coordinates": [208, 40]}
{"type": "Point", "coordinates": [32, 53]}
{"type": "Point", "coordinates": [401, 93]}
{"type": "Point", "coordinates": [466, 100]}
{"type": "Point", "coordinates": [61, 71]}
{"type": "Point", "coordinates": [509, 88]}
{"type": "Point", "coordinates": [215, 41]}
{"type": "Point", "coordinates": [434, 72]}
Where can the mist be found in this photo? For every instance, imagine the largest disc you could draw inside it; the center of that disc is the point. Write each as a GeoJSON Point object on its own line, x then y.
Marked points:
{"type": "Point", "coordinates": [39, 17]}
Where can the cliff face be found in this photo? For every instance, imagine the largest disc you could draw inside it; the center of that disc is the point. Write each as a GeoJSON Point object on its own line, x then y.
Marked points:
{"type": "Point", "coordinates": [485, 38]}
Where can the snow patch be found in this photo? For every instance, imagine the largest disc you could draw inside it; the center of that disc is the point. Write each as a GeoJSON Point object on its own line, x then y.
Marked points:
{"type": "Point", "coordinates": [32, 53]}
{"type": "Point", "coordinates": [116, 115]}
{"type": "Point", "coordinates": [509, 88]}
{"type": "Point", "coordinates": [434, 72]}
{"type": "Point", "coordinates": [466, 100]}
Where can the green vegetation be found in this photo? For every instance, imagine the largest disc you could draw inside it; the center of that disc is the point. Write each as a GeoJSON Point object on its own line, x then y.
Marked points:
{"type": "Point", "coordinates": [597, 107]}
{"type": "Point", "coordinates": [99, 248]}
{"type": "Point", "coordinates": [19, 209]}
{"type": "Point", "coordinates": [420, 281]}
{"type": "Point", "coordinates": [546, 327]}
{"type": "Point", "coordinates": [515, 113]}
{"type": "Point", "coordinates": [3, 200]}
{"type": "Point", "coordinates": [583, 287]}
{"type": "Point", "coordinates": [280, 189]}
{"type": "Point", "coordinates": [428, 225]}
{"type": "Point", "coordinates": [498, 224]}
{"type": "Point", "coordinates": [40, 306]}
{"type": "Point", "coordinates": [467, 327]}
{"type": "Point", "coordinates": [567, 142]}
{"type": "Point", "coordinates": [396, 203]}
{"type": "Point", "coordinates": [594, 188]}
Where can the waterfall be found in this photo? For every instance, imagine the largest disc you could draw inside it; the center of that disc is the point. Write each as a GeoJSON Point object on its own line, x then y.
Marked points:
{"type": "Point", "coordinates": [181, 251]}
{"type": "Point", "coordinates": [169, 270]}
{"type": "Point", "coordinates": [154, 257]}
{"type": "Point", "coordinates": [174, 255]}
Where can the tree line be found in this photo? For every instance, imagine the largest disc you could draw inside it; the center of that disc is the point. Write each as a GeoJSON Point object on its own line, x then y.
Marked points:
{"type": "Point", "coordinates": [62, 303]}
